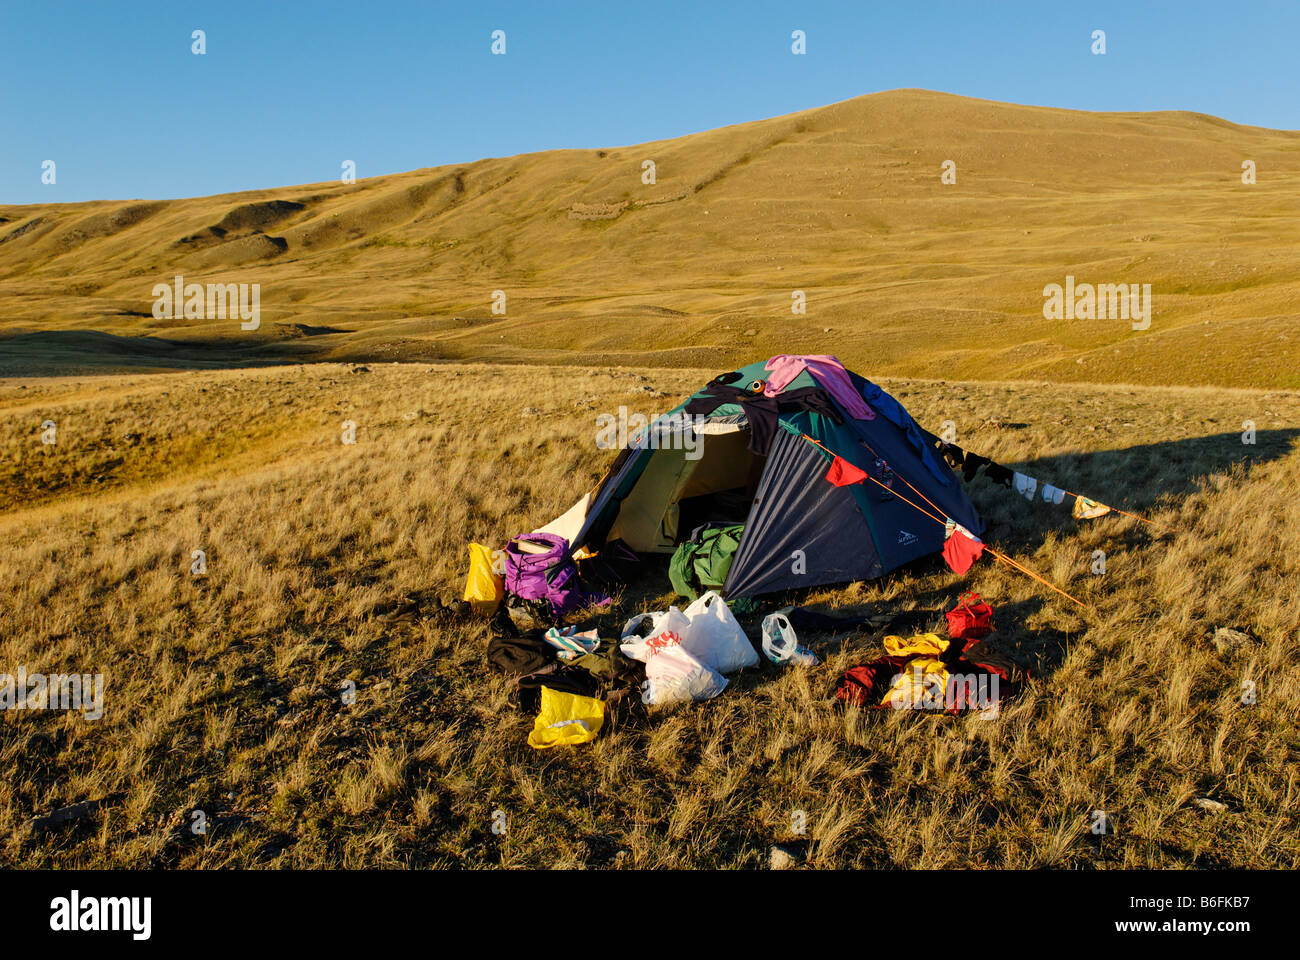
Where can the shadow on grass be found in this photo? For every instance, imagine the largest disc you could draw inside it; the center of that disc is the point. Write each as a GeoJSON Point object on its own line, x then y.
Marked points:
{"type": "Point", "coordinates": [86, 352]}
{"type": "Point", "coordinates": [1140, 479]}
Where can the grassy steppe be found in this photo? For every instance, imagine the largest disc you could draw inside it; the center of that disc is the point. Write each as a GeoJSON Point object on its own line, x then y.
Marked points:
{"type": "Point", "coordinates": [223, 691]}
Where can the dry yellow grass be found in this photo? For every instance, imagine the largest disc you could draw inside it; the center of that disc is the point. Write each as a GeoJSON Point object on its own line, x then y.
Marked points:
{"type": "Point", "coordinates": [905, 276]}
{"type": "Point", "coordinates": [223, 690]}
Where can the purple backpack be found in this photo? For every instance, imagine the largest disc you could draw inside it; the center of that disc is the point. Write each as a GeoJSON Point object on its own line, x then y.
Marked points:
{"type": "Point", "coordinates": [549, 576]}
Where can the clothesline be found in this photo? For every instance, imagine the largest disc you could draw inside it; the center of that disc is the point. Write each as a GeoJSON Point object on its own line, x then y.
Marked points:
{"type": "Point", "coordinates": [943, 520]}
{"type": "Point", "coordinates": [1085, 508]}
{"type": "Point", "coordinates": [1081, 497]}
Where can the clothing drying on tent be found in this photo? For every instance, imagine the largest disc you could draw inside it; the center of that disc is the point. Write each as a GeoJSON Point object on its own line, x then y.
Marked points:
{"type": "Point", "coordinates": [762, 440]}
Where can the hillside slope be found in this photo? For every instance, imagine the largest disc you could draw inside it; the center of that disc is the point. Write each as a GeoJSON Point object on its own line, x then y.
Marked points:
{"type": "Point", "coordinates": [903, 275]}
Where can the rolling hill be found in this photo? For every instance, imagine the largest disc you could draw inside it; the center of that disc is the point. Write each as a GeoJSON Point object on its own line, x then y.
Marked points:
{"type": "Point", "coordinates": [903, 275]}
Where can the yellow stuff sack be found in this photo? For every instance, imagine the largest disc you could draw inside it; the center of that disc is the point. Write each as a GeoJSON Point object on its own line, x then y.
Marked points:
{"type": "Point", "coordinates": [483, 588]}
{"type": "Point", "coordinates": [930, 644]}
{"type": "Point", "coordinates": [566, 718]}
{"type": "Point", "coordinates": [922, 685]}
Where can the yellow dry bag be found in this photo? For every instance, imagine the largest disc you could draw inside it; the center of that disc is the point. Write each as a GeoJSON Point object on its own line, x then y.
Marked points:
{"type": "Point", "coordinates": [483, 588]}
{"type": "Point", "coordinates": [566, 718]}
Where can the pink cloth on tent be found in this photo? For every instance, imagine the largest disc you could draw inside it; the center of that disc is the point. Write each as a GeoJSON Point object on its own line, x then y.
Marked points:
{"type": "Point", "coordinates": [827, 371]}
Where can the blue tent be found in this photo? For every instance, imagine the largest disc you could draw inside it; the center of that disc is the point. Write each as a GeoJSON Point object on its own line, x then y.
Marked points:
{"type": "Point", "coordinates": [799, 529]}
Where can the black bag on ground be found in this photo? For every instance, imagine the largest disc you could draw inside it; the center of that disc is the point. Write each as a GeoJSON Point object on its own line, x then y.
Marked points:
{"type": "Point", "coordinates": [529, 663]}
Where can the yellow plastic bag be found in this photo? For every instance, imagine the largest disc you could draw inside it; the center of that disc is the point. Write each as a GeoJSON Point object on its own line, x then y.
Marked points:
{"type": "Point", "coordinates": [566, 718]}
{"type": "Point", "coordinates": [483, 588]}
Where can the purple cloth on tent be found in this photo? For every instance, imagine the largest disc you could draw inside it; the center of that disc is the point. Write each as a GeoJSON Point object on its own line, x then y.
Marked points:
{"type": "Point", "coordinates": [827, 371]}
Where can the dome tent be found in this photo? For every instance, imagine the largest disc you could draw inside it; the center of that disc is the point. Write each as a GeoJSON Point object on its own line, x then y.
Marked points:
{"type": "Point", "coordinates": [764, 464]}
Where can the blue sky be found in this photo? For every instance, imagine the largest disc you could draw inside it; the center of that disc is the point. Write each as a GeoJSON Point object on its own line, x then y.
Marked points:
{"type": "Point", "coordinates": [110, 90]}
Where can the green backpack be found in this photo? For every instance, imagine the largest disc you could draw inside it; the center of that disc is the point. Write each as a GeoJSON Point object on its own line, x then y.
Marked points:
{"type": "Point", "coordinates": [701, 563]}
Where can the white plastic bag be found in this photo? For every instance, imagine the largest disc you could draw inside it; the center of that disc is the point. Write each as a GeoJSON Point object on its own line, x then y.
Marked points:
{"type": "Point", "coordinates": [634, 630]}
{"type": "Point", "coordinates": [672, 672]}
{"type": "Point", "coordinates": [715, 637]}
{"type": "Point", "coordinates": [636, 638]}
{"type": "Point", "coordinates": [781, 643]}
